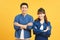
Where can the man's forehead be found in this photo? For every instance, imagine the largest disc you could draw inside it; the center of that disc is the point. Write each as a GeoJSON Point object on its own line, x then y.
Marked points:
{"type": "Point", "coordinates": [24, 6]}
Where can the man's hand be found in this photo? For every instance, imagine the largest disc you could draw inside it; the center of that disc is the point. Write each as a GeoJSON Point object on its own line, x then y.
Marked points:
{"type": "Point", "coordinates": [23, 27]}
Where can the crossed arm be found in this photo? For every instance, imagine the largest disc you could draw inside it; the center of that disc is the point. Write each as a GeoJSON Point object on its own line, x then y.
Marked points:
{"type": "Point", "coordinates": [45, 33]}
{"type": "Point", "coordinates": [23, 26]}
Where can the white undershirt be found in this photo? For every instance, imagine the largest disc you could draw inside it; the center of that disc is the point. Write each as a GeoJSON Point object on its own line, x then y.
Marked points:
{"type": "Point", "coordinates": [41, 28]}
{"type": "Point", "coordinates": [22, 30]}
{"type": "Point", "coordinates": [22, 34]}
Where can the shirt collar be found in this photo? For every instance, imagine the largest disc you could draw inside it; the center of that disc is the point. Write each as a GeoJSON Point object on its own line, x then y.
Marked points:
{"type": "Point", "coordinates": [23, 15]}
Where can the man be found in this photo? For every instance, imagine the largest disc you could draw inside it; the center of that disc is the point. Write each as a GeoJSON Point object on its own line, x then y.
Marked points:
{"type": "Point", "coordinates": [23, 21]}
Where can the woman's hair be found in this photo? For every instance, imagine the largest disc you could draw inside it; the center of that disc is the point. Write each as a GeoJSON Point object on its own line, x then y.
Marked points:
{"type": "Point", "coordinates": [41, 10]}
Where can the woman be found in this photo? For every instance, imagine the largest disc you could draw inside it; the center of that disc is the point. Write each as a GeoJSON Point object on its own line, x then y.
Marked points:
{"type": "Point", "coordinates": [41, 26]}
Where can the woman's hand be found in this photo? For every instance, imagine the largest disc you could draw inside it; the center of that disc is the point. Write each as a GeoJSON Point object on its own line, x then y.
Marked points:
{"type": "Point", "coordinates": [47, 29]}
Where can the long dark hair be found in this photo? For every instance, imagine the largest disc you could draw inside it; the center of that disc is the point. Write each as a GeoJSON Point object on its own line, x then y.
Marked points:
{"type": "Point", "coordinates": [42, 11]}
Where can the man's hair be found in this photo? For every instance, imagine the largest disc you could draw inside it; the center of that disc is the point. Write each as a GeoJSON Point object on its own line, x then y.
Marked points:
{"type": "Point", "coordinates": [24, 4]}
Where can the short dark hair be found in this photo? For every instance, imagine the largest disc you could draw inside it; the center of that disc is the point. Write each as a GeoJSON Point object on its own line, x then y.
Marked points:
{"type": "Point", "coordinates": [24, 4]}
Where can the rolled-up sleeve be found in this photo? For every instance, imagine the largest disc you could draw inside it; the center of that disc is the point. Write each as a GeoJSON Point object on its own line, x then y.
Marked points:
{"type": "Point", "coordinates": [16, 20]}
{"type": "Point", "coordinates": [30, 20]}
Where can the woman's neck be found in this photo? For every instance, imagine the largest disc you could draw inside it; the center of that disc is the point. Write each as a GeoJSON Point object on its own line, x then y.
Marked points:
{"type": "Point", "coordinates": [42, 21]}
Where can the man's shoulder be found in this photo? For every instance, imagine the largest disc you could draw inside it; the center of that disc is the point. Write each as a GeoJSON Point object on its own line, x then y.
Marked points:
{"type": "Point", "coordinates": [29, 16]}
{"type": "Point", "coordinates": [18, 15]}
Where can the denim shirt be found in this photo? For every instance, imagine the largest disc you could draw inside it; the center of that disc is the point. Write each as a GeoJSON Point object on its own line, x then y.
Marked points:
{"type": "Point", "coordinates": [23, 20]}
{"type": "Point", "coordinates": [40, 35]}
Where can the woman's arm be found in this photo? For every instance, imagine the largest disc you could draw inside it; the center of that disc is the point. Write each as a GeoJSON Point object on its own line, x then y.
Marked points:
{"type": "Point", "coordinates": [47, 32]}
{"type": "Point", "coordinates": [36, 29]}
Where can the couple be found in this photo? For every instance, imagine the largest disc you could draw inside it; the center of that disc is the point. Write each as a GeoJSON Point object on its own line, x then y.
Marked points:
{"type": "Point", "coordinates": [23, 23]}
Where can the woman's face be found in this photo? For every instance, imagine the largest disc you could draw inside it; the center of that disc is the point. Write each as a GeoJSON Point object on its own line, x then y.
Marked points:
{"type": "Point", "coordinates": [41, 15]}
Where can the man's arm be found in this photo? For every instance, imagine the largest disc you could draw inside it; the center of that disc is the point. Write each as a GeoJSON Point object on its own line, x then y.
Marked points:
{"type": "Point", "coordinates": [30, 24]}
{"type": "Point", "coordinates": [23, 26]}
{"type": "Point", "coordinates": [17, 24]}
{"type": "Point", "coordinates": [20, 25]}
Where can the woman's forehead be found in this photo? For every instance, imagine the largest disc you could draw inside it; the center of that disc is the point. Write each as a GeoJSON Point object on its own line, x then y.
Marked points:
{"type": "Point", "coordinates": [41, 13]}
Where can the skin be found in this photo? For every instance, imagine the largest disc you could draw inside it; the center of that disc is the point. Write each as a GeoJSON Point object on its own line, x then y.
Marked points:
{"type": "Point", "coordinates": [41, 16]}
{"type": "Point", "coordinates": [24, 10]}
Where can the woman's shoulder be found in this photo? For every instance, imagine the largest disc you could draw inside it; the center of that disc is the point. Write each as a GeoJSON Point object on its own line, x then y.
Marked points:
{"type": "Point", "coordinates": [35, 22]}
{"type": "Point", "coordinates": [48, 23]}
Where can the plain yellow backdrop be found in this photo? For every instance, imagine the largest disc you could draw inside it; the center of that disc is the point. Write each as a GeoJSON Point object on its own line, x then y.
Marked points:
{"type": "Point", "coordinates": [10, 8]}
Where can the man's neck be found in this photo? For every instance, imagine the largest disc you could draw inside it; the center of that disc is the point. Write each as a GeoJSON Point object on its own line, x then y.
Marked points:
{"type": "Point", "coordinates": [24, 14]}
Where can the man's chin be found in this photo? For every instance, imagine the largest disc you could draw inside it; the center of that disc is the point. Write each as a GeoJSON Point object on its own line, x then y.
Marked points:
{"type": "Point", "coordinates": [24, 12]}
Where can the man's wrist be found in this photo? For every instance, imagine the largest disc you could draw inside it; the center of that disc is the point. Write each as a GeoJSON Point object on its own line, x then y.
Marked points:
{"type": "Point", "coordinates": [25, 26]}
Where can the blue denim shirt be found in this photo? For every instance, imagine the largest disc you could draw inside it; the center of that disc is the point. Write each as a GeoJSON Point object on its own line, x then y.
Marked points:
{"type": "Point", "coordinates": [23, 20]}
{"type": "Point", "coordinates": [40, 35]}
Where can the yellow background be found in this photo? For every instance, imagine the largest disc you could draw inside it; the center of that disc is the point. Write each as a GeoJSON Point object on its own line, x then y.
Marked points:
{"type": "Point", "coordinates": [10, 8]}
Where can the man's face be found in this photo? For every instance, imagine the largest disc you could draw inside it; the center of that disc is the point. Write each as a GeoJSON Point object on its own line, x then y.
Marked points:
{"type": "Point", "coordinates": [24, 9]}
